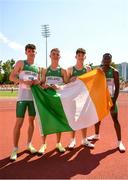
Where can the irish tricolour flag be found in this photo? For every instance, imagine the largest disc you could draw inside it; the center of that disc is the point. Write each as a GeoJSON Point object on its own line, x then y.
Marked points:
{"type": "Point", "coordinates": [74, 106]}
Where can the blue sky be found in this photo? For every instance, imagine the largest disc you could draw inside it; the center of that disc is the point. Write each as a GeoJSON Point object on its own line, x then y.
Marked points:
{"type": "Point", "coordinates": [99, 26]}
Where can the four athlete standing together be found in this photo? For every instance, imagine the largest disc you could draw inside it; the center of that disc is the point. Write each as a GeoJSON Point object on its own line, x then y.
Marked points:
{"type": "Point", "coordinates": [26, 74]}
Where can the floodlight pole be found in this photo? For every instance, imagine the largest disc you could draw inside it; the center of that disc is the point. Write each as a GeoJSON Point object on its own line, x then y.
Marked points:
{"type": "Point", "coordinates": [45, 33]}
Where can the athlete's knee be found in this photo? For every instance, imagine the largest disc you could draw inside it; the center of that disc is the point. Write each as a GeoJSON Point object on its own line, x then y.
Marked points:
{"type": "Point", "coordinates": [31, 121]}
{"type": "Point", "coordinates": [31, 125]}
{"type": "Point", "coordinates": [19, 123]}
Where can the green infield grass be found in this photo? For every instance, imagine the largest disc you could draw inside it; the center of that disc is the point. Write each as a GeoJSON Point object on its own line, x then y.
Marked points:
{"type": "Point", "coordinates": [8, 94]}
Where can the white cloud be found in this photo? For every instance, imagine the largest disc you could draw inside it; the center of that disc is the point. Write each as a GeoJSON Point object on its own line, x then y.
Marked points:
{"type": "Point", "coordinates": [15, 45]}
{"type": "Point", "coordinates": [3, 39]}
{"type": "Point", "coordinates": [12, 44]}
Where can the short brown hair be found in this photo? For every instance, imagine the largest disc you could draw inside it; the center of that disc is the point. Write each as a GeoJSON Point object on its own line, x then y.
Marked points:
{"type": "Point", "coordinates": [80, 50]}
{"type": "Point", "coordinates": [55, 49]}
{"type": "Point", "coordinates": [30, 46]}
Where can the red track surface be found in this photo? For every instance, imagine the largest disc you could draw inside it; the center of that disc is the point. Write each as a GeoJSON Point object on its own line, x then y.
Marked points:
{"type": "Point", "coordinates": [105, 161]}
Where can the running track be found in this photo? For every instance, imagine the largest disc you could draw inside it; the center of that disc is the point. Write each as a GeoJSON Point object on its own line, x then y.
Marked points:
{"type": "Point", "coordinates": [104, 162]}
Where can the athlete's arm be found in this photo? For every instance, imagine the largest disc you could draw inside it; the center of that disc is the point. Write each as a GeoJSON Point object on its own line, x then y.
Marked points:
{"type": "Point", "coordinates": [69, 70]}
{"type": "Point", "coordinates": [69, 73]}
{"type": "Point", "coordinates": [37, 81]}
{"type": "Point", "coordinates": [43, 76]}
{"type": "Point", "coordinates": [64, 74]}
{"type": "Point", "coordinates": [15, 72]}
{"type": "Point", "coordinates": [117, 85]}
{"type": "Point", "coordinates": [14, 76]}
{"type": "Point", "coordinates": [42, 82]}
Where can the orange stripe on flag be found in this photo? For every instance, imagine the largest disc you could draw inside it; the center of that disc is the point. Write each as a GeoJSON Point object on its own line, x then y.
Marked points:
{"type": "Point", "coordinates": [95, 81]}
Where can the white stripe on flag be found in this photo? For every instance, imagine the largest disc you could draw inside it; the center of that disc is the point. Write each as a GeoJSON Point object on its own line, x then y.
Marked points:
{"type": "Point", "coordinates": [78, 105]}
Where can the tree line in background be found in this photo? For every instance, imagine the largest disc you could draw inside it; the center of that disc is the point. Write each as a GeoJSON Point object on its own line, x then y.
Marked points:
{"type": "Point", "coordinates": [5, 69]}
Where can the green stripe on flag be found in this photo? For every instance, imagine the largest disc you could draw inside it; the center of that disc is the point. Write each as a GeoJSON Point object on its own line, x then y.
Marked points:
{"type": "Point", "coordinates": [50, 110]}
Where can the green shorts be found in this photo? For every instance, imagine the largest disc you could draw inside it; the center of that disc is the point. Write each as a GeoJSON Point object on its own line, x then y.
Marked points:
{"type": "Point", "coordinates": [22, 106]}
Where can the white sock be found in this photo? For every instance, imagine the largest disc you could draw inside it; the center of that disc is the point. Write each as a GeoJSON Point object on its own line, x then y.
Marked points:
{"type": "Point", "coordinates": [29, 143]}
{"type": "Point", "coordinates": [119, 142]}
{"type": "Point", "coordinates": [84, 140]}
{"type": "Point", "coordinates": [15, 148]}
